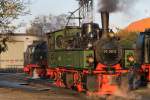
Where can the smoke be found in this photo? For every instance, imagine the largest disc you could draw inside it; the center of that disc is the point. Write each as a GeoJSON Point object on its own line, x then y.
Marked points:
{"type": "Point", "coordinates": [115, 5]}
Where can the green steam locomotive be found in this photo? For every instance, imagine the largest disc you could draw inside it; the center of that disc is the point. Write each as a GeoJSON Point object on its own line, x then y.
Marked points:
{"type": "Point", "coordinates": [90, 58]}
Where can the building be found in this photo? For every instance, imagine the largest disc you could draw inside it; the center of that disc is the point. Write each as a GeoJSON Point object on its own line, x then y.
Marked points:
{"type": "Point", "coordinates": [17, 44]}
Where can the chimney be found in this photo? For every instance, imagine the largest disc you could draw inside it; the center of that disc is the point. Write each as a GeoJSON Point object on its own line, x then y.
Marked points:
{"type": "Point", "coordinates": [105, 22]}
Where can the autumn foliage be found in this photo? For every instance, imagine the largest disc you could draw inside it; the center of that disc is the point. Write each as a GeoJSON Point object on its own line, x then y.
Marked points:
{"type": "Point", "coordinates": [128, 36]}
{"type": "Point", "coordinates": [139, 26]}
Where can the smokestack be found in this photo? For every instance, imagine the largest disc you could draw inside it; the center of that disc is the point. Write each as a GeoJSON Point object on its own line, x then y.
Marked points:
{"type": "Point", "coordinates": [105, 22]}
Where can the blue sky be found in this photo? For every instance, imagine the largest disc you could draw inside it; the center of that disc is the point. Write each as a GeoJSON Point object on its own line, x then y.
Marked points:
{"type": "Point", "coordinates": [119, 19]}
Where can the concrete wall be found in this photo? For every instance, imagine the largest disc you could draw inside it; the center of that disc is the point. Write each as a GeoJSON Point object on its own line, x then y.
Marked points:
{"type": "Point", "coordinates": [17, 45]}
{"type": "Point", "coordinates": [14, 56]}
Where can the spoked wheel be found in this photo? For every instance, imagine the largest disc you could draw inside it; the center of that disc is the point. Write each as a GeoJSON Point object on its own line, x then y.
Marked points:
{"type": "Point", "coordinates": [43, 73]}
{"type": "Point", "coordinates": [92, 83]}
{"type": "Point", "coordinates": [69, 80]}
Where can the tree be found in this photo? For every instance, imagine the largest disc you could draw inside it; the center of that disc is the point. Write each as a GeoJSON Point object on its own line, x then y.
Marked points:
{"type": "Point", "coordinates": [3, 45]}
{"type": "Point", "coordinates": [44, 24]}
{"type": "Point", "coordinates": [128, 39]}
{"type": "Point", "coordinates": [10, 10]}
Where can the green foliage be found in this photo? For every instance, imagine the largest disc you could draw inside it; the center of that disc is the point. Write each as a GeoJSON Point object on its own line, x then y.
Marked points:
{"type": "Point", "coordinates": [127, 43]}
{"type": "Point", "coordinates": [128, 39]}
{"type": "Point", "coordinates": [10, 10]}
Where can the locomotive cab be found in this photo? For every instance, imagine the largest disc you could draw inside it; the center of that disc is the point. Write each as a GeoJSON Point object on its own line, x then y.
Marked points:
{"type": "Point", "coordinates": [143, 48]}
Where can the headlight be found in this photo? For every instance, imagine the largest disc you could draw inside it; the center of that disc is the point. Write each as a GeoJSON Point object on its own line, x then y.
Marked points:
{"type": "Point", "coordinates": [90, 60]}
{"type": "Point", "coordinates": [131, 59]}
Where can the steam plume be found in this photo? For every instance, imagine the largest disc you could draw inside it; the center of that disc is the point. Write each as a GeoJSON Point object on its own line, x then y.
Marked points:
{"type": "Point", "coordinates": [115, 5]}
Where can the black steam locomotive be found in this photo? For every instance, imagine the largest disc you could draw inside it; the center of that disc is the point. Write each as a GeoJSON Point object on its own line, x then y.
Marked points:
{"type": "Point", "coordinates": [36, 58]}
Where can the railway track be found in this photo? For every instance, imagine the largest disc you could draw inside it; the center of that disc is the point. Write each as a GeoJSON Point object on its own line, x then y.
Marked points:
{"type": "Point", "coordinates": [20, 82]}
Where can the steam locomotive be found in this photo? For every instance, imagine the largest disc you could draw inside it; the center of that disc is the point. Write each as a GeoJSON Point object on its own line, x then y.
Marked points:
{"type": "Point", "coordinates": [86, 58]}
{"type": "Point", "coordinates": [90, 59]}
{"type": "Point", "coordinates": [36, 58]}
